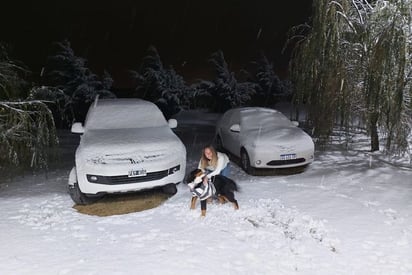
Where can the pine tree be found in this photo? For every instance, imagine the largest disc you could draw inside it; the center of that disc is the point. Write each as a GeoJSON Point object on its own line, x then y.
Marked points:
{"type": "Point", "coordinates": [200, 94]}
{"type": "Point", "coordinates": [69, 73]}
{"type": "Point", "coordinates": [228, 92]}
{"type": "Point", "coordinates": [161, 85]}
{"type": "Point", "coordinates": [270, 88]}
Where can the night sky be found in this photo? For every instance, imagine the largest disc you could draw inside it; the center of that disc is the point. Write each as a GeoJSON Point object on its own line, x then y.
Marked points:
{"type": "Point", "coordinates": [114, 35]}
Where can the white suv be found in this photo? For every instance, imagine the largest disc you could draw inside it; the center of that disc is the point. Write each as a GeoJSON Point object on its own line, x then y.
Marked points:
{"type": "Point", "coordinates": [127, 145]}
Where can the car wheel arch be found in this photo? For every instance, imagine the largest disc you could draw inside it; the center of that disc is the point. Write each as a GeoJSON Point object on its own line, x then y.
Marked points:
{"type": "Point", "coordinates": [72, 176]}
{"type": "Point", "coordinates": [245, 161]}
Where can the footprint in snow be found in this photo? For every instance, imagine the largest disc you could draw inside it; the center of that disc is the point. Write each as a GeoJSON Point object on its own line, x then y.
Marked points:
{"type": "Point", "coordinates": [370, 203]}
{"type": "Point", "coordinates": [390, 213]}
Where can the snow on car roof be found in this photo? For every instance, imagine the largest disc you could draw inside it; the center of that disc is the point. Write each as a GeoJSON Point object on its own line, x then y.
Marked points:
{"type": "Point", "coordinates": [123, 113]}
{"type": "Point", "coordinates": [255, 117]}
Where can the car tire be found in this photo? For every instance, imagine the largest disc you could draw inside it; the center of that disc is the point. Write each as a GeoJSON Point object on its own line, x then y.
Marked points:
{"type": "Point", "coordinates": [78, 196]}
{"type": "Point", "coordinates": [170, 189]}
{"type": "Point", "coordinates": [245, 163]}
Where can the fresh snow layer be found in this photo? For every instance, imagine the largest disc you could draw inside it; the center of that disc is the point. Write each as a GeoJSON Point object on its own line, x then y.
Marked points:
{"type": "Point", "coordinates": [348, 213]}
{"type": "Point", "coordinates": [123, 113]}
{"type": "Point", "coordinates": [267, 127]}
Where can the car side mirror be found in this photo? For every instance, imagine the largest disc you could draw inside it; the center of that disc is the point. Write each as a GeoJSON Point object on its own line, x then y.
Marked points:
{"type": "Point", "coordinates": [295, 123]}
{"type": "Point", "coordinates": [77, 128]}
{"type": "Point", "coordinates": [235, 128]}
{"type": "Point", "coordinates": [172, 123]}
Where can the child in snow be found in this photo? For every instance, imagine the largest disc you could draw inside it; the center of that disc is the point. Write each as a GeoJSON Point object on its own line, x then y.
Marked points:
{"type": "Point", "coordinates": [213, 163]}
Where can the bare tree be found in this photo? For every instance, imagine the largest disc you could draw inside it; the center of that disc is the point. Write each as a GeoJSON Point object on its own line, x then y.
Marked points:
{"type": "Point", "coordinates": [27, 129]}
{"type": "Point", "coordinates": [355, 64]}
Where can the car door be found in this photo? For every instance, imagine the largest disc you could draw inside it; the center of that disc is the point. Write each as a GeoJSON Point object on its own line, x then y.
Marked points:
{"type": "Point", "coordinates": [230, 137]}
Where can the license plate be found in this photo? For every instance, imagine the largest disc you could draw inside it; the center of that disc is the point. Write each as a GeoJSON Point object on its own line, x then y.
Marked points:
{"type": "Point", "coordinates": [137, 173]}
{"type": "Point", "coordinates": [287, 156]}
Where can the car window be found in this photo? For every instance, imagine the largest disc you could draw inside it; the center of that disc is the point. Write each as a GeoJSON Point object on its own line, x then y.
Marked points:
{"type": "Point", "coordinates": [254, 119]}
{"type": "Point", "coordinates": [121, 116]}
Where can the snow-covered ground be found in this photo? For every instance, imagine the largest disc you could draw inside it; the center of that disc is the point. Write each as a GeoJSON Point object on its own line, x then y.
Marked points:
{"type": "Point", "coordinates": [348, 213]}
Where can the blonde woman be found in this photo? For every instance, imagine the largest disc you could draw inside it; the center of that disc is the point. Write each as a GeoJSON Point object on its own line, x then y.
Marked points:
{"type": "Point", "coordinates": [214, 163]}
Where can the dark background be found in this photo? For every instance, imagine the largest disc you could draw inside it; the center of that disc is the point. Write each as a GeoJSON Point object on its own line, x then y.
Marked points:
{"type": "Point", "coordinates": [114, 35]}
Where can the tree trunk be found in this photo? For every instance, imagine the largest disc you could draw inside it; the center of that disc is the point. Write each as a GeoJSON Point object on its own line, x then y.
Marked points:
{"type": "Point", "coordinates": [374, 133]}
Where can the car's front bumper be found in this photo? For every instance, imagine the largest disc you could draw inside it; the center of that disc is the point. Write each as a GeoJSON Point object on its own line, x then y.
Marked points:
{"type": "Point", "coordinates": [109, 180]}
{"type": "Point", "coordinates": [277, 159]}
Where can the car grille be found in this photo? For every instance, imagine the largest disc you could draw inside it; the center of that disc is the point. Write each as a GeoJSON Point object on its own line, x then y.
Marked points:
{"type": "Point", "coordinates": [285, 162]}
{"type": "Point", "coordinates": [149, 177]}
{"type": "Point", "coordinates": [125, 179]}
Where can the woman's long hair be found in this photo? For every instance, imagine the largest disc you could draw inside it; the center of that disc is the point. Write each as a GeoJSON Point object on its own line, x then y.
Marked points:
{"type": "Point", "coordinates": [204, 162]}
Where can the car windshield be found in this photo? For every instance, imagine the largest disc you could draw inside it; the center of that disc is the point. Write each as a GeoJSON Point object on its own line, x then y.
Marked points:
{"type": "Point", "coordinates": [256, 119]}
{"type": "Point", "coordinates": [124, 115]}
